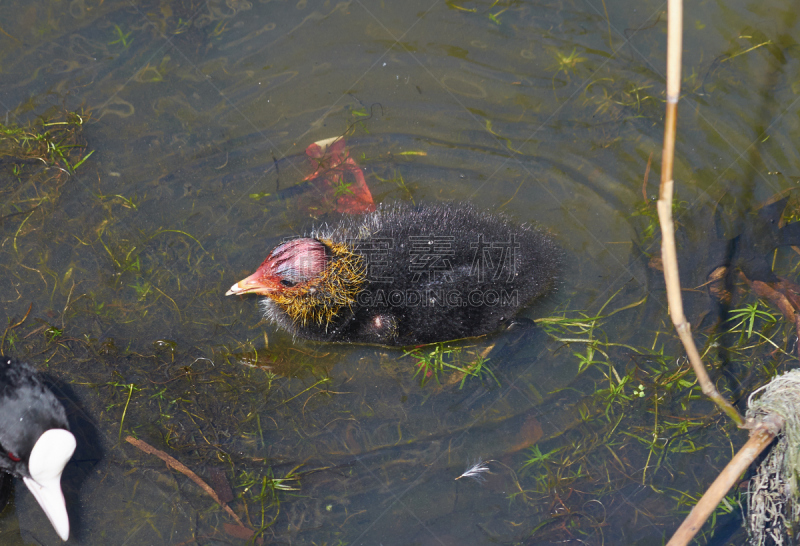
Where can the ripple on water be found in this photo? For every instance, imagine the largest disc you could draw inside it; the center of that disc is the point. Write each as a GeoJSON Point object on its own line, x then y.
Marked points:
{"type": "Point", "coordinates": [460, 86]}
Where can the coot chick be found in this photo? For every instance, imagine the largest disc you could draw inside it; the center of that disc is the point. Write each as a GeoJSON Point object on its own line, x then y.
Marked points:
{"type": "Point", "coordinates": [405, 275]}
{"type": "Point", "coordinates": [35, 442]}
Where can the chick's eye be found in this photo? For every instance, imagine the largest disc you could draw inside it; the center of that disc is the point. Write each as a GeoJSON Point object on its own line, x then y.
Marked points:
{"type": "Point", "coordinates": [287, 282]}
{"type": "Point", "coordinates": [13, 457]}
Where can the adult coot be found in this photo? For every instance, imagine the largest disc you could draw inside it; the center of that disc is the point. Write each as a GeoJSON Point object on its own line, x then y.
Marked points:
{"type": "Point", "coordinates": [35, 442]}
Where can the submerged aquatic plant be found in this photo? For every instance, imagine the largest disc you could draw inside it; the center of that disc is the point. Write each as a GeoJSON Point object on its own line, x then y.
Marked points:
{"type": "Point", "coordinates": [434, 360]}
{"type": "Point", "coordinates": [54, 139]}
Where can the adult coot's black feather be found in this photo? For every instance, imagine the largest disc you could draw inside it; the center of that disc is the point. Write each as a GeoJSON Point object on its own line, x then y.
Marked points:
{"type": "Point", "coordinates": [405, 275]}
{"type": "Point", "coordinates": [35, 442]}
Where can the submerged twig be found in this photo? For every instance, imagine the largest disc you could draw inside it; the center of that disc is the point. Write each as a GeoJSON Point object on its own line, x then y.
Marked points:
{"type": "Point", "coordinates": [180, 467]}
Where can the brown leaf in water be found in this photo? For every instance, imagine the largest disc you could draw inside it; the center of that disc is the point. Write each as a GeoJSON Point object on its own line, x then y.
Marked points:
{"type": "Point", "coordinates": [529, 433]}
{"type": "Point", "coordinates": [655, 263]}
{"type": "Point", "coordinates": [777, 298]}
{"type": "Point", "coordinates": [238, 531]}
{"type": "Point", "coordinates": [220, 484]}
{"type": "Point", "coordinates": [716, 284]}
{"type": "Point", "coordinates": [338, 179]}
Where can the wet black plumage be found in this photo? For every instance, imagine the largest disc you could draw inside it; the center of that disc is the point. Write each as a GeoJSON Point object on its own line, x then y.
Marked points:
{"type": "Point", "coordinates": [28, 410]}
{"type": "Point", "coordinates": [404, 275]}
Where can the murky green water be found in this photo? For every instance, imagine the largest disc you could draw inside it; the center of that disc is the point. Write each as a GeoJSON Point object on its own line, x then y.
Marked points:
{"type": "Point", "coordinates": [547, 112]}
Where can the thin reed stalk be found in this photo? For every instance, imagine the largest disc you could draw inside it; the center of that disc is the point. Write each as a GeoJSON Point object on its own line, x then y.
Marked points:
{"type": "Point", "coordinates": [669, 255]}
{"type": "Point", "coordinates": [761, 434]}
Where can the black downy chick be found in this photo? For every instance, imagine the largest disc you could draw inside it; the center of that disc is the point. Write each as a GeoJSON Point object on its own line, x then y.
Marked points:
{"type": "Point", "coordinates": [35, 442]}
{"type": "Point", "coordinates": [405, 275]}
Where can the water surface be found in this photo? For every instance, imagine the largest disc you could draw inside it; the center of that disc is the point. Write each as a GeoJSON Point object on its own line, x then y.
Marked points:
{"type": "Point", "coordinates": [548, 112]}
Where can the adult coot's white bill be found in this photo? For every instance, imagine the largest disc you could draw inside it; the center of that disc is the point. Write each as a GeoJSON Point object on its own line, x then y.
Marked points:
{"type": "Point", "coordinates": [35, 442]}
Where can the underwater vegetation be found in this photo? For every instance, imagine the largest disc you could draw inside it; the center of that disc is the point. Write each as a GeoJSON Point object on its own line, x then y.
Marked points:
{"type": "Point", "coordinates": [37, 158]}
{"type": "Point", "coordinates": [295, 438]}
{"type": "Point", "coordinates": [112, 270]}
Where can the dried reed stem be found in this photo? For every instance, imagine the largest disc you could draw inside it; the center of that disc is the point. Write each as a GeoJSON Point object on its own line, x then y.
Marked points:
{"type": "Point", "coordinates": [759, 439]}
{"type": "Point", "coordinates": [668, 253]}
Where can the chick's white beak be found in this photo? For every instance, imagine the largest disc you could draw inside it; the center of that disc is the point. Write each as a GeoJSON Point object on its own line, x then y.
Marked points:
{"type": "Point", "coordinates": [234, 290]}
{"type": "Point", "coordinates": [46, 464]}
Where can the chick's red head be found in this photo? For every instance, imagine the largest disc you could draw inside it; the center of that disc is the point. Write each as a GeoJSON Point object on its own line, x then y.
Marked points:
{"type": "Point", "coordinates": [289, 265]}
